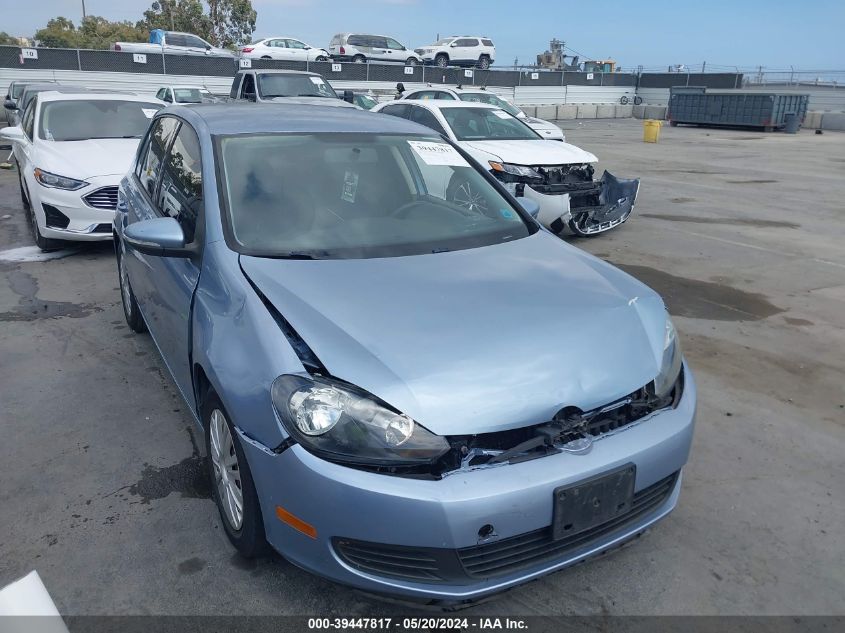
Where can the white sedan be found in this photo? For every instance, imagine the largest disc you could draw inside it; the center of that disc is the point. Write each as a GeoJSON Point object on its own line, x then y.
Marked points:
{"type": "Point", "coordinates": [546, 129]}
{"type": "Point", "coordinates": [558, 176]}
{"type": "Point", "coordinates": [284, 48]}
{"type": "Point", "coordinates": [72, 150]}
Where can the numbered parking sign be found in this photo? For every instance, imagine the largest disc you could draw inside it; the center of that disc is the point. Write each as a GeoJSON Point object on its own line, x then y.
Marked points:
{"type": "Point", "coordinates": [535, 75]}
{"type": "Point", "coordinates": [589, 76]}
{"type": "Point", "coordinates": [245, 62]}
{"type": "Point", "coordinates": [409, 70]}
{"type": "Point", "coordinates": [336, 68]}
{"type": "Point", "coordinates": [468, 73]}
{"type": "Point", "coordinates": [29, 53]}
{"type": "Point", "coordinates": [139, 58]}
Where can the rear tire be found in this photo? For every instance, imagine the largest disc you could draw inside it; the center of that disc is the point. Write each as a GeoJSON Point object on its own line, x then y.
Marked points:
{"type": "Point", "coordinates": [359, 59]}
{"type": "Point", "coordinates": [484, 62]}
{"type": "Point", "coordinates": [225, 454]}
{"type": "Point", "coordinates": [638, 100]}
{"type": "Point", "coordinates": [442, 60]}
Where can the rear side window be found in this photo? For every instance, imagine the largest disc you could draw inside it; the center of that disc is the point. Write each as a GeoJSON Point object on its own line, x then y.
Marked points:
{"type": "Point", "coordinates": [180, 195]}
{"type": "Point", "coordinates": [377, 42]}
{"type": "Point", "coordinates": [487, 42]}
{"type": "Point", "coordinates": [336, 40]}
{"type": "Point", "coordinates": [426, 117]}
{"type": "Point", "coordinates": [356, 40]}
{"type": "Point", "coordinates": [149, 170]}
{"type": "Point", "coordinates": [398, 109]}
{"type": "Point", "coordinates": [467, 42]}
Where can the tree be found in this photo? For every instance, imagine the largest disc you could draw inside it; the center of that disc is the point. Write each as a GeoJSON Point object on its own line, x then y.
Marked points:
{"type": "Point", "coordinates": [59, 33]}
{"type": "Point", "coordinates": [177, 15]}
{"type": "Point", "coordinates": [233, 21]}
{"type": "Point", "coordinates": [8, 40]}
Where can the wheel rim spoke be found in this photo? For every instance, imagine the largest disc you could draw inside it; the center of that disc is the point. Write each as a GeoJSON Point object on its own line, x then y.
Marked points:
{"type": "Point", "coordinates": [226, 469]}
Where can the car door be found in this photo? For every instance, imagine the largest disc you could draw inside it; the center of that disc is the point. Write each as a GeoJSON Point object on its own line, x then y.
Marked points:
{"type": "Point", "coordinates": [164, 286]}
{"type": "Point", "coordinates": [297, 51]}
{"type": "Point", "coordinates": [378, 48]}
{"type": "Point", "coordinates": [175, 43]}
{"type": "Point", "coordinates": [395, 51]}
{"type": "Point", "coordinates": [196, 45]}
{"type": "Point", "coordinates": [464, 49]}
{"type": "Point", "coordinates": [24, 149]}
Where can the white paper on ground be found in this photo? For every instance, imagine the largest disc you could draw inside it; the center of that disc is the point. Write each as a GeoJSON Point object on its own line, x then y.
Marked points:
{"type": "Point", "coordinates": [28, 597]}
{"type": "Point", "coordinates": [34, 254]}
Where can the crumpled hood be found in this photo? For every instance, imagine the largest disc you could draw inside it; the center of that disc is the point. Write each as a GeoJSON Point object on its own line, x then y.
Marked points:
{"type": "Point", "coordinates": [87, 159]}
{"type": "Point", "coordinates": [539, 123]}
{"type": "Point", "coordinates": [539, 152]}
{"type": "Point", "coordinates": [321, 101]}
{"type": "Point", "coordinates": [477, 340]}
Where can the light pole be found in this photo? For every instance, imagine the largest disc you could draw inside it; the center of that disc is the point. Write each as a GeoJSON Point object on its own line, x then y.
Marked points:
{"type": "Point", "coordinates": [83, 9]}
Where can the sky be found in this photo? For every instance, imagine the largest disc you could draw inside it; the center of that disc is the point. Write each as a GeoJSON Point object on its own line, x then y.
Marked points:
{"type": "Point", "coordinates": [775, 34]}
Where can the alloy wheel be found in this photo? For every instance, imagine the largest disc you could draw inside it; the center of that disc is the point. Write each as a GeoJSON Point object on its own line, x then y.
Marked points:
{"type": "Point", "coordinates": [227, 475]}
{"type": "Point", "coordinates": [125, 291]}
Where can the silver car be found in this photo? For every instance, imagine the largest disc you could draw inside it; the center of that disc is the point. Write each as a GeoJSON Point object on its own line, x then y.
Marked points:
{"type": "Point", "coordinates": [397, 393]}
{"type": "Point", "coordinates": [360, 48]}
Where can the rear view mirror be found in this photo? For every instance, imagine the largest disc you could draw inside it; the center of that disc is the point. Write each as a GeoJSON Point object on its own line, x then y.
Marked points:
{"type": "Point", "coordinates": [161, 237]}
{"type": "Point", "coordinates": [349, 96]}
{"type": "Point", "coordinates": [531, 207]}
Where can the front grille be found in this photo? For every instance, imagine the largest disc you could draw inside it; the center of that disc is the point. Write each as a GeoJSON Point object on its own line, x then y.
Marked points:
{"type": "Point", "coordinates": [462, 566]}
{"type": "Point", "coordinates": [526, 550]}
{"type": "Point", "coordinates": [104, 198]}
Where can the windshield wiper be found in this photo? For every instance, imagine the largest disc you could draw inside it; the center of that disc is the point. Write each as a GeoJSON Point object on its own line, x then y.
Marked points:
{"type": "Point", "coordinates": [299, 255]}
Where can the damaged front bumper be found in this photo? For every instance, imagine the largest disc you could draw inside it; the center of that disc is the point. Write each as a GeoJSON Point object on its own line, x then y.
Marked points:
{"type": "Point", "coordinates": [584, 208]}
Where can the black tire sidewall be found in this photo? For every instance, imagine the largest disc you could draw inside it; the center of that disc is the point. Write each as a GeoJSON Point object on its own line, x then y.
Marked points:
{"type": "Point", "coordinates": [439, 58]}
{"type": "Point", "coordinates": [250, 540]}
{"type": "Point", "coordinates": [135, 321]}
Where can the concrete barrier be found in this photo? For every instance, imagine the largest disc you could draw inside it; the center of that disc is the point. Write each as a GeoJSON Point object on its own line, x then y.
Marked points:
{"type": "Point", "coordinates": [566, 112]}
{"type": "Point", "coordinates": [605, 111]}
{"type": "Point", "coordinates": [812, 120]}
{"type": "Point", "coordinates": [638, 111]}
{"type": "Point", "coordinates": [529, 110]}
{"type": "Point", "coordinates": [587, 111]}
{"type": "Point", "coordinates": [833, 121]}
{"type": "Point", "coordinates": [547, 112]}
{"type": "Point", "coordinates": [623, 111]}
{"type": "Point", "coordinates": [655, 112]}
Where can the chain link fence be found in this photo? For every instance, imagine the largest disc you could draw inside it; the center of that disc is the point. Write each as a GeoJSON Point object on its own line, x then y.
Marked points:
{"type": "Point", "coordinates": [202, 65]}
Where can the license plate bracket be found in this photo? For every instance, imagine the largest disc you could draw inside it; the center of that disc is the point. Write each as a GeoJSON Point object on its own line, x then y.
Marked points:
{"type": "Point", "coordinates": [594, 501]}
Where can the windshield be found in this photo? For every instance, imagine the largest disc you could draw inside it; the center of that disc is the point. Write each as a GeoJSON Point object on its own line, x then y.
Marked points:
{"type": "Point", "coordinates": [273, 85]}
{"type": "Point", "coordinates": [188, 95]}
{"type": "Point", "coordinates": [81, 120]}
{"type": "Point", "coordinates": [351, 196]}
{"type": "Point", "coordinates": [365, 101]}
{"type": "Point", "coordinates": [491, 99]}
{"type": "Point", "coordinates": [479, 124]}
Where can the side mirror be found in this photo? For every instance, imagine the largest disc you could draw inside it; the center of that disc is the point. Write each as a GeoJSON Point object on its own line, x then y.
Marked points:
{"type": "Point", "coordinates": [162, 237]}
{"type": "Point", "coordinates": [531, 207]}
{"type": "Point", "coordinates": [349, 96]}
{"type": "Point", "coordinates": [208, 47]}
{"type": "Point", "coordinates": [11, 133]}
{"type": "Point", "coordinates": [453, 44]}
{"type": "Point", "coordinates": [10, 105]}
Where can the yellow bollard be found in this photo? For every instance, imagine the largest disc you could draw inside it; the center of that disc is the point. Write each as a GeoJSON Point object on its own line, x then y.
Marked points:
{"type": "Point", "coordinates": [651, 130]}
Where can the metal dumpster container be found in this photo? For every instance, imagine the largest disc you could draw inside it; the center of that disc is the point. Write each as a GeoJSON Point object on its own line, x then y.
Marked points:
{"type": "Point", "coordinates": [749, 108]}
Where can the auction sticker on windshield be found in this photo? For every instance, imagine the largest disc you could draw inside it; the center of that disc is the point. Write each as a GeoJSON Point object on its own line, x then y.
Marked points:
{"type": "Point", "coordinates": [316, 80]}
{"type": "Point", "coordinates": [438, 153]}
{"type": "Point", "coordinates": [149, 112]}
{"type": "Point", "coordinates": [501, 114]}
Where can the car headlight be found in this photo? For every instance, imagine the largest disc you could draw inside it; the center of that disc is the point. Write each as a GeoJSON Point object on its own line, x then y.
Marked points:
{"type": "Point", "coordinates": [343, 423]}
{"type": "Point", "coordinates": [670, 367]}
{"type": "Point", "coordinates": [507, 171]}
{"type": "Point", "coordinates": [58, 182]}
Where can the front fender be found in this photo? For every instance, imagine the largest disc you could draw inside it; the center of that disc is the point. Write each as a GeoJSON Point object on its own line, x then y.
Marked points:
{"type": "Point", "coordinates": [239, 346]}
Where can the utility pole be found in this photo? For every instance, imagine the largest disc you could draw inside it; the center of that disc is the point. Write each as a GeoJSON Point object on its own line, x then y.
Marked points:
{"type": "Point", "coordinates": [83, 9]}
{"type": "Point", "coordinates": [703, 66]}
{"type": "Point", "coordinates": [172, 26]}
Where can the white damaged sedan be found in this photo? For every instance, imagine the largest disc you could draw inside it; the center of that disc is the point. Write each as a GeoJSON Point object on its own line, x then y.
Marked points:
{"type": "Point", "coordinates": [72, 150]}
{"type": "Point", "coordinates": [558, 176]}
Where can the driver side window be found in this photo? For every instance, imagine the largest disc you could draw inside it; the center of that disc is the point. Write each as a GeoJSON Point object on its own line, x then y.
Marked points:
{"type": "Point", "coordinates": [29, 118]}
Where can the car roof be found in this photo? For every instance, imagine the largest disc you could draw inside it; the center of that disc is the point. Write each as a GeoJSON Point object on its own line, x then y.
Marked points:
{"type": "Point", "coordinates": [252, 118]}
{"type": "Point", "coordinates": [90, 95]}
{"type": "Point", "coordinates": [440, 104]}
{"type": "Point", "coordinates": [270, 71]}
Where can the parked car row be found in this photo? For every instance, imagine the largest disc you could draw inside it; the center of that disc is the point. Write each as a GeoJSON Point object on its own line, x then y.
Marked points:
{"type": "Point", "coordinates": [341, 298]}
{"type": "Point", "coordinates": [463, 50]}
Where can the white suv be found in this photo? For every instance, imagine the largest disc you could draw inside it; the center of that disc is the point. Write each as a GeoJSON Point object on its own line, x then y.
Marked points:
{"type": "Point", "coordinates": [459, 50]}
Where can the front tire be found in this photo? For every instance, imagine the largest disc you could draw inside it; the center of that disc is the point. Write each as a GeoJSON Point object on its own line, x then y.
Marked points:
{"type": "Point", "coordinates": [411, 61]}
{"type": "Point", "coordinates": [232, 486]}
{"type": "Point", "coordinates": [321, 58]}
{"type": "Point", "coordinates": [130, 306]}
{"type": "Point", "coordinates": [442, 60]}
{"type": "Point", "coordinates": [44, 243]}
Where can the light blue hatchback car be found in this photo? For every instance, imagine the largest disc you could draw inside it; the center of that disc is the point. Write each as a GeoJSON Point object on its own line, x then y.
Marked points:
{"type": "Point", "coordinates": [406, 389]}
